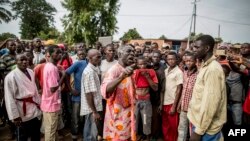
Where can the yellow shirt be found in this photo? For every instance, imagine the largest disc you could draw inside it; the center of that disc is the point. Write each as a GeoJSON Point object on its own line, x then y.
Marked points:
{"type": "Point", "coordinates": [207, 108]}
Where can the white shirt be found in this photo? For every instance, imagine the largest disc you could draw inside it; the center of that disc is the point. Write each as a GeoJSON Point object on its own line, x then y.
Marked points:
{"type": "Point", "coordinates": [105, 66]}
{"type": "Point", "coordinates": [18, 86]}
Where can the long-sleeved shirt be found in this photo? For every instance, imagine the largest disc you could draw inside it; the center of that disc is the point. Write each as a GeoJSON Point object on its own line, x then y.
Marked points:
{"type": "Point", "coordinates": [17, 87]}
{"type": "Point", "coordinates": [207, 109]}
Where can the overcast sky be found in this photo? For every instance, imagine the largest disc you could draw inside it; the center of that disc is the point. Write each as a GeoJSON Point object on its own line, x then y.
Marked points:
{"type": "Point", "coordinates": [172, 18]}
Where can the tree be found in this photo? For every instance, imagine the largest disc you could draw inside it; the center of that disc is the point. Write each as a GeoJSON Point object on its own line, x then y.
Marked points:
{"type": "Point", "coordinates": [218, 40]}
{"type": "Point", "coordinates": [6, 35]}
{"type": "Point", "coordinates": [51, 33]}
{"type": "Point", "coordinates": [5, 15]}
{"type": "Point", "coordinates": [88, 20]}
{"type": "Point", "coordinates": [131, 34]}
{"type": "Point", "coordinates": [163, 37]}
{"type": "Point", "coordinates": [36, 16]}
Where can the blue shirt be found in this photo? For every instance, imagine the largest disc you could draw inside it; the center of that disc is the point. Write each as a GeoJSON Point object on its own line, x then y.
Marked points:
{"type": "Point", "coordinates": [77, 69]}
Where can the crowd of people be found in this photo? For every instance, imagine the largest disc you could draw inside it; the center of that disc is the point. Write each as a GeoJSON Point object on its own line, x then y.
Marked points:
{"type": "Point", "coordinates": [130, 92]}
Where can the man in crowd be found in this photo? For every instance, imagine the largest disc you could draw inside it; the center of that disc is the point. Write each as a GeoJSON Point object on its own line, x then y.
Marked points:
{"type": "Point", "coordinates": [22, 101]}
{"type": "Point", "coordinates": [8, 63]}
{"type": "Point", "coordinates": [208, 107]}
{"type": "Point", "coordinates": [91, 99]}
{"type": "Point", "coordinates": [155, 96]}
{"type": "Point", "coordinates": [51, 98]}
{"type": "Point", "coordinates": [38, 55]}
{"type": "Point", "coordinates": [109, 60]}
{"type": "Point", "coordinates": [76, 69]}
{"type": "Point", "coordinates": [117, 88]}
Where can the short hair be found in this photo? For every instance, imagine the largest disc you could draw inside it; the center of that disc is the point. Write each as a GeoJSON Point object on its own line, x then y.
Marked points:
{"type": "Point", "coordinates": [19, 55]}
{"type": "Point", "coordinates": [121, 49]}
{"type": "Point", "coordinates": [207, 40]}
{"type": "Point", "coordinates": [51, 49]}
{"type": "Point", "coordinates": [173, 53]}
{"type": "Point", "coordinates": [156, 51]}
{"type": "Point", "coordinates": [189, 53]}
{"type": "Point", "coordinates": [140, 58]}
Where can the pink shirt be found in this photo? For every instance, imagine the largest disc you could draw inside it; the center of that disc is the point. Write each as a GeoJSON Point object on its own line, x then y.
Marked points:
{"type": "Point", "coordinates": [51, 102]}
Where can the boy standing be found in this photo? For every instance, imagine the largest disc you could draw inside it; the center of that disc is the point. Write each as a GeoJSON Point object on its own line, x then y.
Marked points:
{"type": "Point", "coordinates": [190, 76]}
{"type": "Point", "coordinates": [170, 100]}
{"type": "Point", "coordinates": [144, 79]}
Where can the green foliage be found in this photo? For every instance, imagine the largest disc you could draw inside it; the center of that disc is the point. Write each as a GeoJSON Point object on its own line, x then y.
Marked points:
{"type": "Point", "coordinates": [36, 16]}
{"type": "Point", "coordinates": [5, 15]}
{"type": "Point", "coordinates": [89, 19]}
{"type": "Point", "coordinates": [51, 33]}
{"type": "Point", "coordinates": [163, 37]}
{"type": "Point", "coordinates": [130, 35]}
{"type": "Point", "coordinates": [218, 40]}
{"type": "Point", "coordinates": [6, 35]}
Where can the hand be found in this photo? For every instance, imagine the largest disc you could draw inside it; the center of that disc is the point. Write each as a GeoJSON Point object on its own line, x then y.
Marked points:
{"type": "Point", "coordinates": [172, 111]}
{"type": "Point", "coordinates": [127, 72]}
{"type": "Point", "coordinates": [40, 91]}
{"type": "Point", "coordinates": [179, 108]}
{"type": "Point", "coordinates": [17, 121]}
{"type": "Point", "coordinates": [195, 137]}
{"type": "Point", "coordinates": [238, 61]}
{"type": "Point", "coordinates": [74, 92]}
{"type": "Point", "coordinates": [145, 74]}
{"type": "Point", "coordinates": [60, 68]}
{"type": "Point", "coordinates": [97, 116]}
{"type": "Point", "coordinates": [160, 109]}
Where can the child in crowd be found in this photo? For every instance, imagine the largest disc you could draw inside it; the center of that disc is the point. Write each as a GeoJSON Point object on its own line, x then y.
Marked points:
{"type": "Point", "coordinates": [189, 78]}
{"type": "Point", "coordinates": [144, 79]}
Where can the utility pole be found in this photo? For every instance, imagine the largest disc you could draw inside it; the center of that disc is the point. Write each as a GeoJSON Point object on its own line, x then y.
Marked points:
{"type": "Point", "coordinates": [194, 15]}
{"type": "Point", "coordinates": [193, 19]}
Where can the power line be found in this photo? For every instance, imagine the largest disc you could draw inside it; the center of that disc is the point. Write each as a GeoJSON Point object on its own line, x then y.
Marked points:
{"type": "Point", "coordinates": [179, 29]}
{"type": "Point", "coordinates": [225, 21]}
{"type": "Point", "coordinates": [122, 15]}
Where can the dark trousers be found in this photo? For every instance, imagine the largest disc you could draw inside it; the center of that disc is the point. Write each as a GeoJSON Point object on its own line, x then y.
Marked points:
{"type": "Point", "coordinates": [28, 129]}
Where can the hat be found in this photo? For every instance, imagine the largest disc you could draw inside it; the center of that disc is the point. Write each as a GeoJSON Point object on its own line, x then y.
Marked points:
{"type": "Point", "coordinates": [49, 42]}
{"type": "Point", "coordinates": [61, 46]}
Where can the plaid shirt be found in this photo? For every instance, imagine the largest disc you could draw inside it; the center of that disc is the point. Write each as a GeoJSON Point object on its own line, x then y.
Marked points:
{"type": "Point", "coordinates": [188, 85]}
{"type": "Point", "coordinates": [90, 84]}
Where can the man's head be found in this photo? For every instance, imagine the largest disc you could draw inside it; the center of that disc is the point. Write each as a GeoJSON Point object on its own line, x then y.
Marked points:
{"type": "Point", "coordinates": [156, 57]}
{"type": "Point", "coordinates": [29, 54]}
{"type": "Point", "coordinates": [11, 46]}
{"type": "Point", "coordinates": [245, 49]}
{"type": "Point", "coordinates": [172, 59]}
{"type": "Point", "coordinates": [37, 43]}
{"type": "Point", "coordinates": [154, 46]}
{"type": "Point", "coordinates": [19, 46]}
{"type": "Point", "coordinates": [98, 45]}
{"type": "Point", "coordinates": [126, 55]}
{"type": "Point", "coordinates": [190, 60]}
{"type": "Point", "coordinates": [55, 53]}
{"type": "Point", "coordinates": [204, 46]}
{"type": "Point", "coordinates": [109, 51]}
{"type": "Point", "coordinates": [94, 56]}
{"type": "Point", "coordinates": [80, 46]}
{"type": "Point", "coordinates": [141, 62]}
{"type": "Point", "coordinates": [81, 54]}
{"type": "Point", "coordinates": [22, 61]}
